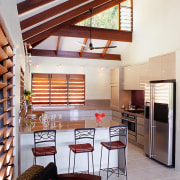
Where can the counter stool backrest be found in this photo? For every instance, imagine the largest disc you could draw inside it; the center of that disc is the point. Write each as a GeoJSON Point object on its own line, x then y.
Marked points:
{"type": "Point", "coordinates": [84, 133]}
{"type": "Point", "coordinates": [44, 143]}
{"type": "Point", "coordinates": [118, 131]}
{"type": "Point", "coordinates": [45, 136]}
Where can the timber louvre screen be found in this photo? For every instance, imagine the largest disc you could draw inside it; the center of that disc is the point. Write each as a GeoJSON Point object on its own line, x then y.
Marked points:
{"type": "Point", "coordinates": [58, 89]}
{"type": "Point", "coordinates": [6, 108]}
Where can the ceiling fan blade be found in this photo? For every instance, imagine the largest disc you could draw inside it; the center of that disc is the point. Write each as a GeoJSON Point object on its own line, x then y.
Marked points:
{"type": "Point", "coordinates": [104, 47]}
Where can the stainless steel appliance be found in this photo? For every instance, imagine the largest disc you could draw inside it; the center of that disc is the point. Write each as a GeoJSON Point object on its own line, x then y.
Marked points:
{"type": "Point", "coordinates": [130, 121]}
{"type": "Point", "coordinates": [159, 131]}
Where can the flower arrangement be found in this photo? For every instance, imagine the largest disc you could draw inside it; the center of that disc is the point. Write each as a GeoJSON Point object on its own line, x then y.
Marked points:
{"type": "Point", "coordinates": [99, 118]}
{"type": "Point", "coordinates": [28, 96]}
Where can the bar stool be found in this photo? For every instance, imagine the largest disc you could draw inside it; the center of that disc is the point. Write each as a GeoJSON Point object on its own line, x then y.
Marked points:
{"type": "Point", "coordinates": [119, 132]}
{"type": "Point", "coordinates": [44, 144]}
{"type": "Point", "coordinates": [80, 134]}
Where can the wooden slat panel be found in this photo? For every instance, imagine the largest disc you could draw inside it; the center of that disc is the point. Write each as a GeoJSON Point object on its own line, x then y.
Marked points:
{"type": "Point", "coordinates": [9, 63]}
{"type": "Point", "coordinates": [9, 51]}
{"type": "Point", "coordinates": [2, 159]}
{"type": "Point", "coordinates": [2, 85]}
{"type": "Point", "coordinates": [31, 4]}
{"type": "Point", "coordinates": [9, 155]}
{"type": "Point", "coordinates": [8, 143]}
{"type": "Point", "coordinates": [3, 40]}
{"type": "Point", "coordinates": [2, 70]}
{"type": "Point", "coordinates": [3, 55]}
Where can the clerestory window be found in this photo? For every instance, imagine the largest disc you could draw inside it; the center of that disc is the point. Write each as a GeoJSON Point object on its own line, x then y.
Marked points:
{"type": "Point", "coordinates": [119, 17]}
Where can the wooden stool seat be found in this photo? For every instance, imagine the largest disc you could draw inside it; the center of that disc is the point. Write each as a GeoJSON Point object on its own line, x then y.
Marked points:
{"type": "Point", "coordinates": [113, 145]}
{"type": "Point", "coordinates": [80, 148]}
{"type": "Point", "coordinates": [44, 151]}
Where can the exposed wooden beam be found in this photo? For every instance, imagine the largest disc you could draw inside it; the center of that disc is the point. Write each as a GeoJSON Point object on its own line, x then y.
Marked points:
{"type": "Point", "coordinates": [105, 49]}
{"type": "Point", "coordinates": [30, 4]}
{"type": "Point", "coordinates": [71, 54]}
{"type": "Point", "coordinates": [97, 33]}
{"type": "Point", "coordinates": [60, 19]}
{"type": "Point", "coordinates": [83, 32]}
{"type": "Point", "coordinates": [83, 47]}
{"type": "Point", "coordinates": [50, 12]}
{"type": "Point", "coordinates": [75, 20]}
{"type": "Point", "coordinates": [58, 42]}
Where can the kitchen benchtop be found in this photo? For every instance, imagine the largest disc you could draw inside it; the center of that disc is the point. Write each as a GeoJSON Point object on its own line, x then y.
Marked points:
{"type": "Point", "coordinates": [68, 125]}
{"type": "Point", "coordinates": [66, 108]}
{"type": "Point", "coordinates": [134, 113]}
{"type": "Point", "coordinates": [141, 114]}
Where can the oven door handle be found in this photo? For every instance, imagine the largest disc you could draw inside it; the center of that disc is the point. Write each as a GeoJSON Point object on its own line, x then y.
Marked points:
{"type": "Point", "coordinates": [130, 121]}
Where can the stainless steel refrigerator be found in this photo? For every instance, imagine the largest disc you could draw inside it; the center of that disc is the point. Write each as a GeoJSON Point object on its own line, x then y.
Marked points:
{"type": "Point", "coordinates": [159, 124]}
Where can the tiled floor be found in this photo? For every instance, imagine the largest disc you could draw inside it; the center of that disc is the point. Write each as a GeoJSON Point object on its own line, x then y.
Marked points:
{"type": "Point", "coordinates": [141, 167]}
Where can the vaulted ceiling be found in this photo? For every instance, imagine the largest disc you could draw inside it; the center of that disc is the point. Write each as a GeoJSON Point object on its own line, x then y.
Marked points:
{"type": "Point", "coordinates": [49, 26]}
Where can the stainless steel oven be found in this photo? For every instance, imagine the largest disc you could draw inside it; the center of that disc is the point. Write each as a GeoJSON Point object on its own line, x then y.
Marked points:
{"type": "Point", "coordinates": [130, 121]}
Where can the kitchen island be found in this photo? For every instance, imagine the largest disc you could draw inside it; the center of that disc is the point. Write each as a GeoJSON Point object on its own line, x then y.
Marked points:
{"type": "Point", "coordinates": [64, 137]}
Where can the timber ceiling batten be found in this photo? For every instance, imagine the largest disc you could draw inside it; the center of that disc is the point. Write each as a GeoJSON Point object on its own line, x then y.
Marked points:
{"type": "Point", "coordinates": [50, 13]}
{"type": "Point", "coordinates": [57, 49]}
{"type": "Point", "coordinates": [31, 4]}
{"type": "Point", "coordinates": [105, 49]}
{"type": "Point", "coordinates": [63, 18]}
{"type": "Point", "coordinates": [83, 47]}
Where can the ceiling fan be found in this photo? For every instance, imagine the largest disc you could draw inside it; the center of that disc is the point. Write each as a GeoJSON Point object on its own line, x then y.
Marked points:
{"type": "Point", "coordinates": [91, 47]}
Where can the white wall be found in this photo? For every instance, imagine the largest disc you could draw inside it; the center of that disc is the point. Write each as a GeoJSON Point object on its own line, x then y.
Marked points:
{"type": "Point", "coordinates": [156, 30]}
{"type": "Point", "coordinates": [97, 72]}
{"type": "Point", "coordinates": [10, 22]}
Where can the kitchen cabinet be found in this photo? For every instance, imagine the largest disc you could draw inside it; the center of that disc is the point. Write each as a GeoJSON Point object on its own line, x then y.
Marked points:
{"type": "Point", "coordinates": [162, 67]}
{"type": "Point", "coordinates": [116, 116]}
{"type": "Point", "coordinates": [136, 76]}
{"type": "Point", "coordinates": [131, 77]}
{"type": "Point", "coordinates": [140, 130]}
{"type": "Point", "coordinates": [115, 87]}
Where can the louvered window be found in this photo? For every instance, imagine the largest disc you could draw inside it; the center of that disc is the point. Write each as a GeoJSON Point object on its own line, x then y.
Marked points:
{"type": "Point", "coordinates": [6, 108]}
{"type": "Point", "coordinates": [58, 89]}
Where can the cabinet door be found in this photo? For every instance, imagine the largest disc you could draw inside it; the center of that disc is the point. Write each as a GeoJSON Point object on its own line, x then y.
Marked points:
{"type": "Point", "coordinates": [169, 66]}
{"type": "Point", "coordinates": [115, 96]}
{"type": "Point", "coordinates": [115, 76]}
{"type": "Point", "coordinates": [131, 78]}
{"type": "Point", "coordinates": [155, 68]}
{"type": "Point", "coordinates": [143, 75]}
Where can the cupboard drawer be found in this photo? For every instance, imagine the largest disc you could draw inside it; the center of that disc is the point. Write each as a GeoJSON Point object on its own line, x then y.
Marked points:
{"type": "Point", "coordinates": [140, 120]}
{"type": "Point", "coordinates": [140, 130]}
{"type": "Point", "coordinates": [116, 114]}
{"type": "Point", "coordinates": [140, 139]}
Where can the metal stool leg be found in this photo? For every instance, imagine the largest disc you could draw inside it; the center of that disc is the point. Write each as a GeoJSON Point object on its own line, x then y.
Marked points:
{"type": "Point", "coordinates": [74, 161]}
{"type": "Point", "coordinates": [35, 160]}
{"type": "Point", "coordinates": [118, 161]}
{"type": "Point", "coordinates": [125, 163]}
{"type": "Point", "coordinates": [100, 160]}
{"type": "Point", "coordinates": [108, 164]}
{"type": "Point", "coordinates": [88, 162]}
{"type": "Point", "coordinates": [69, 160]}
{"type": "Point", "coordinates": [54, 159]}
{"type": "Point", "coordinates": [92, 162]}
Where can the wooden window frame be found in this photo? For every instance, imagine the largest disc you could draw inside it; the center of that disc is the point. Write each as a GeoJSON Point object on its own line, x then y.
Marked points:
{"type": "Point", "coordinates": [58, 89]}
